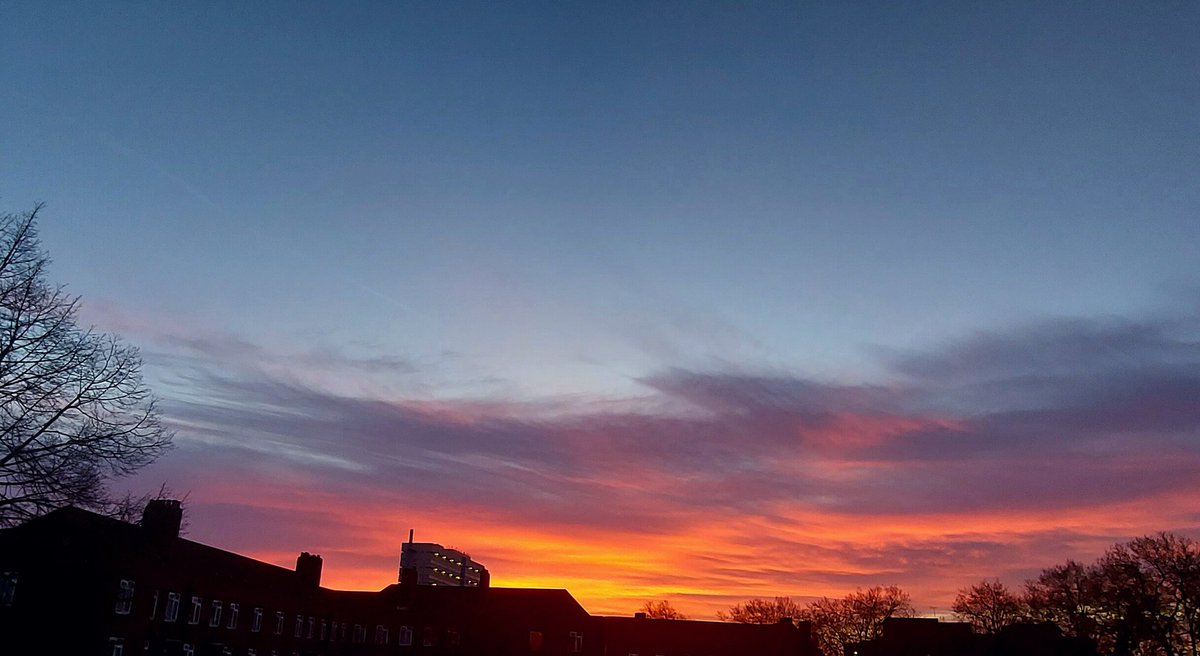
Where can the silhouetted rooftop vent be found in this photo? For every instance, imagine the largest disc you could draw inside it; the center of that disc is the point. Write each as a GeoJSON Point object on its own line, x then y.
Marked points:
{"type": "Point", "coordinates": [308, 568]}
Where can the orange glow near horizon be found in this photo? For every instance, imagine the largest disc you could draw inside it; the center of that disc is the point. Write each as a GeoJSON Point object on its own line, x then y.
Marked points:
{"type": "Point", "coordinates": [715, 561]}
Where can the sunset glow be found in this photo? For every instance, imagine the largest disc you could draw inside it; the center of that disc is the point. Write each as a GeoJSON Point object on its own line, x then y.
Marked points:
{"type": "Point", "coordinates": [698, 302]}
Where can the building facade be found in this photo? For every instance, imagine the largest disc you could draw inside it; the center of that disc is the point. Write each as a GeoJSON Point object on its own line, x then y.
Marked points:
{"type": "Point", "coordinates": [433, 564]}
{"type": "Point", "coordinates": [73, 582]}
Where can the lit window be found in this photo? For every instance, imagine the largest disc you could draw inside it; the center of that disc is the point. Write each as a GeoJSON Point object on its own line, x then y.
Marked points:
{"type": "Point", "coordinates": [279, 622]}
{"type": "Point", "coordinates": [125, 597]}
{"type": "Point", "coordinates": [172, 611]}
{"type": "Point", "coordinates": [256, 624]}
{"type": "Point", "coordinates": [116, 646]}
{"type": "Point", "coordinates": [8, 588]}
{"type": "Point", "coordinates": [405, 636]}
{"type": "Point", "coordinates": [233, 616]}
{"type": "Point", "coordinates": [154, 604]}
{"type": "Point", "coordinates": [214, 617]}
{"type": "Point", "coordinates": [197, 603]}
{"type": "Point", "coordinates": [576, 642]}
{"type": "Point", "coordinates": [381, 634]}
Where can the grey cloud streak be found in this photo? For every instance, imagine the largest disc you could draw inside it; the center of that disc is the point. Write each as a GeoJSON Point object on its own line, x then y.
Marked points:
{"type": "Point", "coordinates": [1050, 415]}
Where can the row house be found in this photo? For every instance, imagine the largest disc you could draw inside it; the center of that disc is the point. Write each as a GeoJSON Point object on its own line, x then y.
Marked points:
{"type": "Point", "coordinates": [76, 582]}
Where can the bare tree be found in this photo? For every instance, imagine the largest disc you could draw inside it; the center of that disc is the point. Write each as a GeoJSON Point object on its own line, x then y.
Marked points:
{"type": "Point", "coordinates": [761, 611]}
{"type": "Point", "coordinates": [662, 610]}
{"type": "Point", "coordinates": [989, 606]}
{"type": "Point", "coordinates": [74, 412]}
{"type": "Point", "coordinates": [1066, 595]}
{"type": "Point", "coordinates": [1141, 597]}
{"type": "Point", "coordinates": [857, 617]}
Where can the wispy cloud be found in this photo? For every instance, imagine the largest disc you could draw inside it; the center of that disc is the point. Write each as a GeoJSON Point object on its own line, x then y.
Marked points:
{"type": "Point", "coordinates": [993, 455]}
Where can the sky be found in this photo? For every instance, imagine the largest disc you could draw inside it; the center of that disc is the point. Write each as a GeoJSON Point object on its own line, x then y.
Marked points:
{"type": "Point", "coordinates": [687, 301]}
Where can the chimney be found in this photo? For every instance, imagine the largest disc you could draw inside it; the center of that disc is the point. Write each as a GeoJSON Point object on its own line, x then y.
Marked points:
{"type": "Point", "coordinates": [308, 569]}
{"type": "Point", "coordinates": [162, 518]}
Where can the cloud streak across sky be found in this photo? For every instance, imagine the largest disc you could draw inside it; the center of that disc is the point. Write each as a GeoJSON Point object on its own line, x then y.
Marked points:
{"type": "Point", "coordinates": [995, 454]}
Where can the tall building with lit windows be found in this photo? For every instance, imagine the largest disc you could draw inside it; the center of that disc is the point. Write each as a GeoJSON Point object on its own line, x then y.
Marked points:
{"type": "Point", "coordinates": [433, 564]}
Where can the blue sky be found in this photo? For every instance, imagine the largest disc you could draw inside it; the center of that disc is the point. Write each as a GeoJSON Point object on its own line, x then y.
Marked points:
{"type": "Point", "coordinates": [557, 204]}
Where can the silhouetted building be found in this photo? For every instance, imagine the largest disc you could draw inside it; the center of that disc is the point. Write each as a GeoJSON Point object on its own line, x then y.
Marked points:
{"type": "Point", "coordinates": [918, 636]}
{"type": "Point", "coordinates": [433, 564]}
{"type": "Point", "coordinates": [650, 637]}
{"type": "Point", "coordinates": [74, 582]}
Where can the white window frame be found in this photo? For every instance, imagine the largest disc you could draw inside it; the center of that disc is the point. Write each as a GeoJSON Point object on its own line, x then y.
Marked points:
{"type": "Point", "coordinates": [153, 604]}
{"type": "Point", "coordinates": [256, 623]}
{"type": "Point", "coordinates": [405, 637]}
{"type": "Point", "coordinates": [171, 613]}
{"type": "Point", "coordinates": [116, 646]}
{"type": "Point", "coordinates": [234, 607]}
{"type": "Point", "coordinates": [280, 619]}
{"type": "Point", "coordinates": [197, 610]}
{"type": "Point", "coordinates": [381, 634]}
{"type": "Point", "coordinates": [214, 615]}
{"type": "Point", "coordinates": [125, 597]}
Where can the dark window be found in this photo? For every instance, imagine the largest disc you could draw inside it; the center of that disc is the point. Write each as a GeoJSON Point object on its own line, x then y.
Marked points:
{"type": "Point", "coordinates": [381, 634]}
{"type": "Point", "coordinates": [124, 597]}
{"type": "Point", "coordinates": [299, 627]}
{"type": "Point", "coordinates": [324, 630]}
{"type": "Point", "coordinates": [405, 636]}
{"type": "Point", "coordinates": [428, 637]}
{"type": "Point", "coordinates": [188, 649]}
{"type": "Point", "coordinates": [214, 617]}
{"type": "Point", "coordinates": [116, 646]}
{"type": "Point", "coordinates": [279, 622]}
{"type": "Point", "coordinates": [172, 612]}
{"type": "Point", "coordinates": [233, 616]}
{"type": "Point", "coordinates": [576, 642]}
{"type": "Point", "coordinates": [197, 607]}
{"type": "Point", "coordinates": [153, 604]}
{"type": "Point", "coordinates": [8, 588]}
{"type": "Point", "coordinates": [256, 624]}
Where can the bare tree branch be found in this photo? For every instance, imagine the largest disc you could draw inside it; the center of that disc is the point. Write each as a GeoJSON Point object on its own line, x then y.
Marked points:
{"type": "Point", "coordinates": [74, 412]}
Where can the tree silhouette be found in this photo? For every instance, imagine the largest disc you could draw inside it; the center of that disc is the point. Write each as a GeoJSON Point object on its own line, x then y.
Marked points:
{"type": "Point", "coordinates": [989, 606]}
{"type": "Point", "coordinates": [74, 412]}
{"type": "Point", "coordinates": [857, 617]}
{"type": "Point", "coordinates": [661, 610]}
{"type": "Point", "coordinates": [761, 611]}
{"type": "Point", "coordinates": [1140, 597]}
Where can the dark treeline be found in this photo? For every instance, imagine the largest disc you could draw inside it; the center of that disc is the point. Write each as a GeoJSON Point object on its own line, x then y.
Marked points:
{"type": "Point", "coordinates": [1141, 598]}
